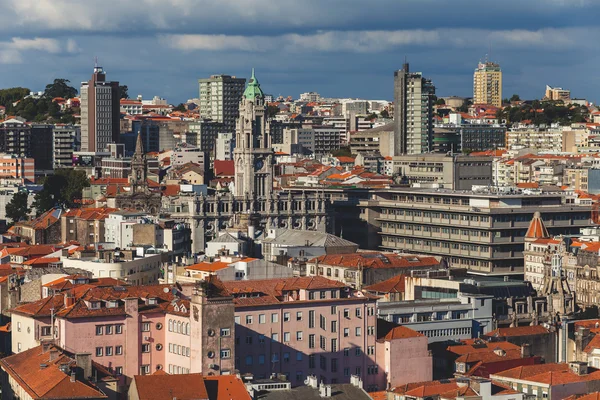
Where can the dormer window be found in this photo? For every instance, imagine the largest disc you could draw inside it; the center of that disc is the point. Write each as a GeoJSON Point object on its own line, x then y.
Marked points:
{"type": "Point", "coordinates": [94, 305]}
{"type": "Point", "coordinates": [152, 301]}
{"type": "Point", "coordinates": [183, 309]}
{"type": "Point", "coordinates": [112, 304]}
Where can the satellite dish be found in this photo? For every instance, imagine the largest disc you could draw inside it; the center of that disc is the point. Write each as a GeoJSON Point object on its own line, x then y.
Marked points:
{"type": "Point", "coordinates": [166, 290]}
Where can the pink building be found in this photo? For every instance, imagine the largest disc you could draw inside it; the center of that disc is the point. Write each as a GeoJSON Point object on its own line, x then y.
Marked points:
{"type": "Point", "coordinates": [403, 357]}
{"type": "Point", "coordinates": [136, 330]}
{"type": "Point", "coordinates": [305, 326]}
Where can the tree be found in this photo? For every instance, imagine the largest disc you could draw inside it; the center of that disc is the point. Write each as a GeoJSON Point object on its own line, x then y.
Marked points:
{"type": "Point", "coordinates": [371, 117]}
{"type": "Point", "coordinates": [17, 209]}
{"type": "Point", "coordinates": [342, 152]}
{"type": "Point", "coordinates": [60, 88]}
{"type": "Point", "coordinates": [180, 108]}
{"type": "Point", "coordinates": [440, 102]}
{"type": "Point", "coordinates": [63, 188]}
{"type": "Point", "coordinates": [515, 97]}
{"type": "Point", "coordinates": [384, 114]}
{"type": "Point", "coordinates": [272, 111]}
{"type": "Point", "coordinates": [9, 96]}
{"type": "Point", "coordinates": [123, 91]}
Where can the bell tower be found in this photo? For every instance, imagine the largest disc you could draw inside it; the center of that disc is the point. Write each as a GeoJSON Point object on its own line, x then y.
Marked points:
{"type": "Point", "coordinates": [253, 154]}
{"type": "Point", "coordinates": [137, 178]}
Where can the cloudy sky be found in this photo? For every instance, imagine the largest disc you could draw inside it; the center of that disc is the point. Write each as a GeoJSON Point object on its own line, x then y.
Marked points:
{"type": "Point", "coordinates": [346, 48]}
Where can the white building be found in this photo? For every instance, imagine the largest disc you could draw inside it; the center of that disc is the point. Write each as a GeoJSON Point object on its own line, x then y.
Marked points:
{"type": "Point", "coordinates": [118, 227]}
{"type": "Point", "coordinates": [66, 141]}
{"type": "Point", "coordinates": [184, 153]}
{"type": "Point", "coordinates": [224, 146]}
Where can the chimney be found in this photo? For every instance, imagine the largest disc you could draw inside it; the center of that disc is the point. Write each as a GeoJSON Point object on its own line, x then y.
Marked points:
{"type": "Point", "coordinates": [579, 367]}
{"type": "Point", "coordinates": [73, 377]}
{"type": "Point", "coordinates": [53, 354]}
{"type": "Point", "coordinates": [46, 346]}
{"type": "Point", "coordinates": [311, 381]}
{"type": "Point", "coordinates": [84, 363]}
{"type": "Point", "coordinates": [69, 300]}
{"type": "Point", "coordinates": [525, 350]}
{"type": "Point", "coordinates": [324, 390]}
{"type": "Point", "coordinates": [356, 381]}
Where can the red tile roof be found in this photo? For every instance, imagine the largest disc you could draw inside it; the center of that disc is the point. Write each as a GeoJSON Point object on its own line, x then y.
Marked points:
{"type": "Point", "coordinates": [226, 387]}
{"type": "Point", "coordinates": [480, 346]}
{"type": "Point", "coordinates": [376, 260]}
{"type": "Point", "coordinates": [208, 267]}
{"type": "Point", "coordinates": [537, 229]}
{"type": "Point", "coordinates": [42, 378]}
{"type": "Point", "coordinates": [223, 168]}
{"type": "Point", "coordinates": [589, 396]}
{"type": "Point", "coordinates": [393, 285]}
{"type": "Point", "coordinates": [519, 331]}
{"type": "Point", "coordinates": [180, 387]}
{"type": "Point", "coordinates": [401, 332]}
{"type": "Point", "coordinates": [593, 344]}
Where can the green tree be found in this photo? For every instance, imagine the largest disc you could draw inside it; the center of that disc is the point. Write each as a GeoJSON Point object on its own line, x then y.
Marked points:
{"type": "Point", "coordinates": [17, 209]}
{"type": "Point", "coordinates": [272, 111]}
{"type": "Point", "coordinates": [60, 88]}
{"type": "Point", "coordinates": [371, 117]}
{"type": "Point", "coordinates": [9, 96]}
{"type": "Point", "coordinates": [180, 108]}
{"type": "Point", "coordinates": [515, 97]}
{"type": "Point", "coordinates": [342, 152]}
{"type": "Point", "coordinates": [63, 188]}
{"type": "Point", "coordinates": [76, 180]}
{"type": "Point", "coordinates": [440, 102]}
{"type": "Point", "coordinates": [384, 114]}
{"type": "Point", "coordinates": [123, 91]}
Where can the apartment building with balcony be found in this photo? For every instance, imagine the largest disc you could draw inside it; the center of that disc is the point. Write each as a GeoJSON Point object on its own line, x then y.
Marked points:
{"type": "Point", "coordinates": [482, 231]}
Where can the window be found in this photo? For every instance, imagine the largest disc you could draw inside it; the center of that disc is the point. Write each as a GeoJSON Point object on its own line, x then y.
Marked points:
{"type": "Point", "coordinates": [311, 341]}
{"type": "Point", "coordinates": [118, 329]}
{"type": "Point", "coordinates": [333, 310]}
{"type": "Point", "coordinates": [299, 316]}
{"type": "Point", "coordinates": [334, 365]}
{"type": "Point", "coordinates": [108, 350]}
{"type": "Point", "coordinates": [311, 295]}
{"type": "Point", "coordinates": [333, 345]}
{"type": "Point", "coordinates": [333, 326]}
{"type": "Point", "coordinates": [346, 371]}
{"type": "Point", "coordinates": [286, 317]}
{"type": "Point", "coordinates": [262, 319]}
{"type": "Point", "coordinates": [370, 330]}
{"type": "Point", "coordinates": [358, 312]}
{"type": "Point", "coordinates": [275, 337]}
{"type": "Point", "coordinates": [119, 350]}
{"type": "Point", "coordinates": [371, 350]}
{"type": "Point", "coordinates": [225, 353]}
{"type": "Point", "coordinates": [108, 329]}
{"type": "Point", "coordinates": [274, 318]}
{"type": "Point", "coordinates": [357, 371]}
{"type": "Point", "coordinates": [323, 294]}
{"type": "Point", "coordinates": [286, 357]}
{"type": "Point", "coordinates": [225, 332]}
{"type": "Point", "coordinates": [99, 351]}
{"type": "Point", "coordinates": [346, 332]}
{"type": "Point", "coordinates": [146, 348]}
{"type": "Point", "coordinates": [298, 356]}
{"type": "Point", "coordinates": [323, 362]}
{"type": "Point", "coordinates": [46, 330]}
{"type": "Point", "coordinates": [322, 343]}
{"type": "Point", "coordinates": [358, 331]}
{"type": "Point", "coordinates": [248, 319]}
{"type": "Point", "coordinates": [237, 319]}
{"type": "Point", "coordinates": [322, 322]}
{"type": "Point", "coordinates": [346, 313]}
{"type": "Point", "coordinates": [99, 330]}
{"type": "Point", "coordinates": [170, 325]}
{"type": "Point", "coordinates": [311, 361]}
{"type": "Point", "coordinates": [249, 360]}
{"type": "Point", "coordinates": [311, 319]}
{"type": "Point", "coordinates": [346, 351]}
{"type": "Point", "coordinates": [145, 326]}
{"type": "Point", "coordinates": [286, 336]}
{"type": "Point", "coordinates": [145, 369]}
{"type": "Point", "coordinates": [119, 370]}
{"type": "Point", "coordinates": [357, 352]}
{"type": "Point", "coordinates": [261, 338]}
{"type": "Point", "coordinates": [261, 359]}
{"type": "Point", "coordinates": [299, 335]}
{"type": "Point", "coordinates": [248, 339]}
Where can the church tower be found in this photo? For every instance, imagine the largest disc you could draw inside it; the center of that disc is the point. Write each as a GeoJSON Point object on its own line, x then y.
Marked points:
{"type": "Point", "coordinates": [137, 178]}
{"type": "Point", "coordinates": [253, 153]}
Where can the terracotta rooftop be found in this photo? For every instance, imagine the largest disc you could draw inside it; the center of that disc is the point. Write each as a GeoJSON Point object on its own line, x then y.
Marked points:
{"type": "Point", "coordinates": [225, 387]}
{"type": "Point", "coordinates": [180, 387]}
{"type": "Point", "coordinates": [393, 285]}
{"type": "Point", "coordinates": [481, 346]}
{"type": "Point", "coordinates": [527, 371]}
{"type": "Point", "coordinates": [208, 267]}
{"type": "Point", "coordinates": [519, 331]}
{"type": "Point", "coordinates": [589, 396]}
{"type": "Point", "coordinates": [537, 229]}
{"type": "Point", "coordinates": [42, 378]}
{"type": "Point", "coordinates": [376, 260]}
{"type": "Point", "coordinates": [224, 168]}
{"type": "Point", "coordinates": [401, 332]}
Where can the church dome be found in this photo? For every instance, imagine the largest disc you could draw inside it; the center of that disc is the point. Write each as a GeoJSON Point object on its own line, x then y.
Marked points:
{"type": "Point", "coordinates": [253, 89]}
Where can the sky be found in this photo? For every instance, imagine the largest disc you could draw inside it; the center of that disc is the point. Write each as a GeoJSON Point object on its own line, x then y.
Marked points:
{"type": "Point", "coordinates": [339, 48]}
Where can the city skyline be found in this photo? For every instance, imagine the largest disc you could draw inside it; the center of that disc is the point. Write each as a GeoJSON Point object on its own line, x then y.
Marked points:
{"type": "Point", "coordinates": [163, 48]}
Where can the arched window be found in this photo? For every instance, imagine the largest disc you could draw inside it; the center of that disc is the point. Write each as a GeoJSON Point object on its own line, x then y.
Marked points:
{"type": "Point", "coordinates": [170, 325]}
{"type": "Point", "coordinates": [178, 327]}
{"type": "Point", "coordinates": [187, 329]}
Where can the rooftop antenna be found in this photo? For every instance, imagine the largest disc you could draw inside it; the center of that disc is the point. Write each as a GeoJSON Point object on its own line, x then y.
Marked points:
{"type": "Point", "coordinates": [96, 62]}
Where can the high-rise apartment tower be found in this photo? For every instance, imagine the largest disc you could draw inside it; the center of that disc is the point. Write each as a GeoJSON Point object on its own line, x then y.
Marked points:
{"type": "Point", "coordinates": [487, 84]}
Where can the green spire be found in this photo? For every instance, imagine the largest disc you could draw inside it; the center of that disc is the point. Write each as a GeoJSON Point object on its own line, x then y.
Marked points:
{"type": "Point", "coordinates": [253, 89]}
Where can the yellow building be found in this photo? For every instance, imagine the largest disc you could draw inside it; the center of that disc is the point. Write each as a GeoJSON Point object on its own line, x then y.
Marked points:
{"type": "Point", "coordinates": [487, 84]}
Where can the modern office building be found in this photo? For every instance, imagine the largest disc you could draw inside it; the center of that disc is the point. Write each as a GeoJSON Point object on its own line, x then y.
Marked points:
{"type": "Point", "coordinates": [487, 84]}
{"type": "Point", "coordinates": [100, 112]}
{"type": "Point", "coordinates": [413, 113]}
{"type": "Point", "coordinates": [319, 139]}
{"type": "Point", "coordinates": [220, 97]}
{"type": "Point", "coordinates": [66, 141]}
{"type": "Point", "coordinates": [42, 140]}
{"type": "Point", "coordinates": [482, 231]}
